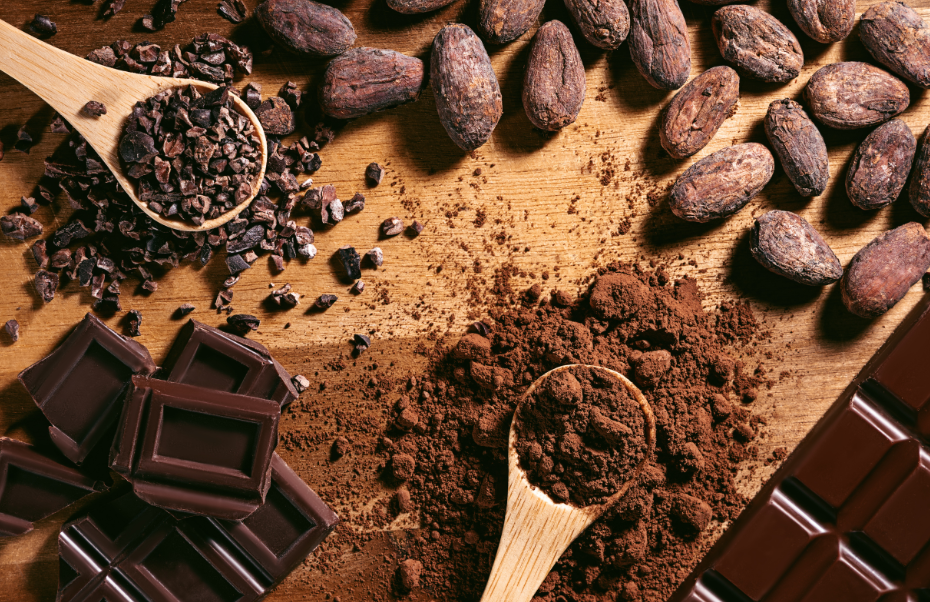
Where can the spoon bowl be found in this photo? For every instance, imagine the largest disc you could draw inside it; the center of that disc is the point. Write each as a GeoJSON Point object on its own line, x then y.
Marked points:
{"type": "Point", "coordinates": [538, 530]}
{"type": "Point", "coordinates": [67, 83]}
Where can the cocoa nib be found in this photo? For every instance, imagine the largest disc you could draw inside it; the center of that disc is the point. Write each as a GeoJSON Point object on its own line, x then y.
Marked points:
{"type": "Point", "coordinates": [234, 11]}
{"type": "Point", "coordinates": [325, 301]}
{"type": "Point", "coordinates": [784, 243]}
{"type": "Point", "coordinates": [698, 110]}
{"type": "Point", "coordinates": [46, 284]}
{"type": "Point", "coordinates": [757, 43]}
{"type": "Point", "coordinates": [392, 226]}
{"type": "Point", "coordinates": [43, 26]}
{"type": "Point", "coordinates": [880, 166]}
{"type": "Point", "coordinates": [134, 323]}
{"type": "Point", "coordinates": [881, 273]}
{"type": "Point", "coordinates": [799, 145]}
{"type": "Point", "coordinates": [604, 23]}
{"type": "Point", "coordinates": [722, 183]}
{"type": "Point", "coordinates": [365, 80]}
{"type": "Point", "coordinates": [276, 117]}
{"type": "Point", "coordinates": [854, 95]}
{"type": "Point", "coordinates": [351, 263]}
{"type": "Point", "coordinates": [306, 27]}
{"type": "Point", "coordinates": [554, 84]}
{"type": "Point", "coordinates": [824, 21]}
{"type": "Point", "coordinates": [468, 96]}
{"type": "Point", "coordinates": [12, 330]}
{"type": "Point", "coordinates": [243, 323]}
{"type": "Point", "coordinates": [414, 7]}
{"type": "Point", "coordinates": [94, 109]}
{"type": "Point", "coordinates": [20, 226]}
{"type": "Point", "coordinates": [502, 21]}
{"type": "Point", "coordinates": [659, 43]}
{"type": "Point", "coordinates": [898, 38]}
{"type": "Point", "coordinates": [374, 173]}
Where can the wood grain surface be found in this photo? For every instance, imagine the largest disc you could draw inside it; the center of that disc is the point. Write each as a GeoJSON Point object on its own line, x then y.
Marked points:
{"type": "Point", "coordinates": [553, 206]}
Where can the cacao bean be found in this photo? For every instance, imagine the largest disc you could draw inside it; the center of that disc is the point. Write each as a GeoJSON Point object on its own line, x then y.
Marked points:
{"type": "Point", "coordinates": [854, 95]}
{"type": "Point", "coordinates": [880, 165]}
{"type": "Point", "coordinates": [468, 97]}
{"type": "Point", "coordinates": [722, 183]}
{"type": "Point", "coordinates": [698, 110]}
{"type": "Point", "coordinates": [306, 27]}
{"type": "Point", "coordinates": [415, 7]}
{"type": "Point", "coordinates": [365, 80]}
{"type": "Point", "coordinates": [502, 21]}
{"type": "Point", "coordinates": [799, 146]}
{"type": "Point", "coordinates": [881, 273]}
{"type": "Point", "coordinates": [825, 21]}
{"type": "Point", "coordinates": [659, 43]}
{"type": "Point", "coordinates": [784, 243]}
{"type": "Point", "coordinates": [899, 39]}
{"type": "Point", "coordinates": [920, 181]}
{"type": "Point", "coordinates": [554, 85]}
{"type": "Point", "coordinates": [757, 43]}
{"type": "Point", "coordinates": [604, 23]}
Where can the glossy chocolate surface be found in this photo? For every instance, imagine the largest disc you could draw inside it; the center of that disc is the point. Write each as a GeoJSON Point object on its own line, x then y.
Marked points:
{"type": "Point", "coordinates": [80, 386]}
{"type": "Point", "coordinates": [847, 516]}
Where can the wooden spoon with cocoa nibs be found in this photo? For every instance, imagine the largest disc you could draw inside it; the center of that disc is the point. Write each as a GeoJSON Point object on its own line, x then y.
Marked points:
{"type": "Point", "coordinates": [538, 530]}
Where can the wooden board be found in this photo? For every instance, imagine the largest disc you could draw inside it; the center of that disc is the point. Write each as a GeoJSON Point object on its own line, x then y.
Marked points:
{"type": "Point", "coordinates": [554, 206]}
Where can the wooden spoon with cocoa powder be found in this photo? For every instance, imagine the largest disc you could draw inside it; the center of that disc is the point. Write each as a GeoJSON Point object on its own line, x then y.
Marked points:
{"type": "Point", "coordinates": [538, 530]}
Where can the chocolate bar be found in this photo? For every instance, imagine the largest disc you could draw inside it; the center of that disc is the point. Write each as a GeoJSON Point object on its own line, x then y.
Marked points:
{"type": "Point", "coordinates": [34, 485]}
{"type": "Point", "coordinates": [196, 450]}
{"type": "Point", "coordinates": [207, 357]}
{"type": "Point", "coordinates": [128, 550]}
{"type": "Point", "coordinates": [847, 516]}
{"type": "Point", "coordinates": [80, 386]}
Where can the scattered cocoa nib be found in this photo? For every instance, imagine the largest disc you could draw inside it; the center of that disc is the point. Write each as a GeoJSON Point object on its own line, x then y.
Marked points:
{"type": "Point", "coordinates": [880, 165]}
{"type": "Point", "coordinates": [164, 12]}
{"type": "Point", "coordinates": [881, 273]}
{"type": "Point", "coordinates": [799, 145]}
{"type": "Point", "coordinates": [392, 226]}
{"type": "Point", "coordinates": [503, 21]}
{"type": "Point", "coordinates": [20, 226]}
{"type": "Point", "coordinates": [414, 7]}
{"type": "Point", "coordinates": [284, 298]}
{"type": "Point", "coordinates": [134, 323]}
{"type": "Point", "coordinates": [43, 26]}
{"type": "Point", "coordinates": [28, 205]}
{"type": "Point", "coordinates": [223, 300]}
{"type": "Point", "coordinates": [375, 257]}
{"type": "Point", "coordinates": [291, 94]}
{"type": "Point", "coordinates": [365, 80]}
{"type": "Point", "coordinates": [361, 344]}
{"type": "Point", "coordinates": [358, 288]}
{"type": "Point", "coordinates": [59, 125]}
{"type": "Point", "coordinates": [252, 95]}
{"type": "Point", "coordinates": [94, 109]}
{"type": "Point", "coordinates": [325, 301]}
{"type": "Point", "coordinates": [300, 382]}
{"type": "Point", "coordinates": [236, 264]}
{"type": "Point", "coordinates": [554, 83]}
{"type": "Point", "coordinates": [234, 11]}
{"type": "Point", "coordinates": [899, 39]}
{"type": "Point", "coordinates": [659, 43]}
{"type": "Point", "coordinates": [854, 95]}
{"type": "Point", "coordinates": [243, 323]}
{"type": "Point", "coordinates": [231, 281]}
{"type": "Point", "coordinates": [184, 310]}
{"type": "Point", "coordinates": [757, 43]}
{"type": "Point", "coordinates": [306, 27]}
{"type": "Point", "coordinates": [150, 286]}
{"type": "Point", "coordinates": [604, 24]}
{"type": "Point", "coordinates": [113, 7]}
{"type": "Point", "coordinates": [355, 204]}
{"type": "Point", "coordinates": [467, 94]}
{"type": "Point", "coordinates": [351, 263]}
{"type": "Point", "coordinates": [698, 110]}
{"type": "Point", "coordinates": [12, 329]}
{"type": "Point", "coordinates": [919, 193]}
{"type": "Point", "coordinates": [415, 229]}
{"type": "Point", "coordinates": [374, 173]}
{"type": "Point", "coordinates": [825, 22]}
{"type": "Point", "coordinates": [23, 141]}
{"type": "Point", "coordinates": [784, 243]}
{"type": "Point", "coordinates": [721, 184]}
{"type": "Point", "coordinates": [276, 117]}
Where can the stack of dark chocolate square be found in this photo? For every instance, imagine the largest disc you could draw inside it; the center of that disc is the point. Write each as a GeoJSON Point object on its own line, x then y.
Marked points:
{"type": "Point", "coordinates": [214, 512]}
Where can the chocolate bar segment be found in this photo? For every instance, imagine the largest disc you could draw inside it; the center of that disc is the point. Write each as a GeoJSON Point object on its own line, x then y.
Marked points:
{"type": "Point", "coordinates": [196, 450]}
{"type": "Point", "coordinates": [847, 516]}
{"type": "Point", "coordinates": [206, 357]}
{"type": "Point", "coordinates": [80, 386]}
{"type": "Point", "coordinates": [34, 485]}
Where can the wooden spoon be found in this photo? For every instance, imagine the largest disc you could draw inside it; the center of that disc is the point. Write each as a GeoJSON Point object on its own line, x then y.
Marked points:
{"type": "Point", "coordinates": [537, 530]}
{"type": "Point", "coordinates": [67, 83]}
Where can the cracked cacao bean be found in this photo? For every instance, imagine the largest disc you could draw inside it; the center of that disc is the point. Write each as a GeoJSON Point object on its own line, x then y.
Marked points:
{"type": "Point", "coordinates": [799, 145]}
{"type": "Point", "coordinates": [365, 80]}
{"type": "Point", "coordinates": [852, 95]}
{"type": "Point", "coordinates": [825, 21]}
{"type": "Point", "coordinates": [899, 39]}
{"type": "Point", "coordinates": [881, 273]}
{"type": "Point", "coordinates": [502, 21]}
{"type": "Point", "coordinates": [468, 97]}
{"type": "Point", "coordinates": [604, 23]}
{"type": "Point", "coordinates": [784, 243]}
{"type": "Point", "coordinates": [415, 7]}
{"type": "Point", "coordinates": [920, 181]}
{"type": "Point", "coordinates": [659, 43]}
{"type": "Point", "coordinates": [698, 110]}
{"type": "Point", "coordinates": [757, 43]}
{"type": "Point", "coordinates": [721, 184]}
{"type": "Point", "coordinates": [306, 27]}
{"type": "Point", "coordinates": [880, 165]}
{"type": "Point", "coordinates": [554, 85]}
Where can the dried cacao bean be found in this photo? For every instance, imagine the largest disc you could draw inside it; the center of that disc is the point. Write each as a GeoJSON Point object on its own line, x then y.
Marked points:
{"type": "Point", "coordinates": [920, 181]}
{"type": "Point", "coordinates": [899, 39]}
{"type": "Point", "coordinates": [784, 243]}
{"type": "Point", "coordinates": [554, 85]}
{"type": "Point", "coordinates": [698, 110]}
{"type": "Point", "coordinates": [306, 27]}
{"type": "Point", "coordinates": [365, 80]}
{"type": "Point", "coordinates": [502, 21]}
{"type": "Point", "coordinates": [854, 95]}
{"type": "Point", "coordinates": [722, 183]}
{"type": "Point", "coordinates": [881, 273]}
{"type": "Point", "coordinates": [415, 7]}
{"type": "Point", "coordinates": [880, 165]}
{"type": "Point", "coordinates": [659, 43]}
{"type": "Point", "coordinates": [825, 21]}
{"type": "Point", "coordinates": [604, 23]}
{"type": "Point", "coordinates": [468, 97]}
{"type": "Point", "coordinates": [799, 145]}
{"type": "Point", "coordinates": [757, 43]}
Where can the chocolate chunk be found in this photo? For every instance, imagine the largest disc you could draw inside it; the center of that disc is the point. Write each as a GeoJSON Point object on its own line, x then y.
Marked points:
{"type": "Point", "coordinates": [12, 330]}
{"type": "Point", "coordinates": [94, 109]}
{"type": "Point", "coordinates": [20, 226]}
{"type": "Point", "coordinates": [243, 323]}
